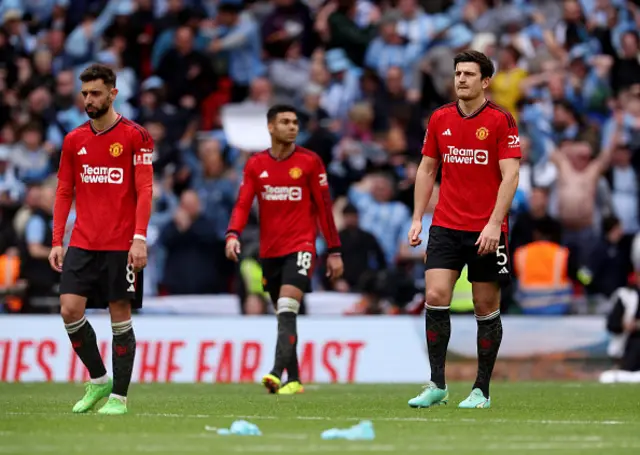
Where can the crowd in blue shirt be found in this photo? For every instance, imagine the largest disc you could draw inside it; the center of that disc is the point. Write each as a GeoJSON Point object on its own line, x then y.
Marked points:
{"type": "Point", "coordinates": [365, 75]}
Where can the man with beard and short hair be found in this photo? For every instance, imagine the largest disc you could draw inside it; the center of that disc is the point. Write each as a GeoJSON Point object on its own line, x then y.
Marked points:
{"type": "Point", "coordinates": [107, 162]}
{"type": "Point", "coordinates": [478, 146]}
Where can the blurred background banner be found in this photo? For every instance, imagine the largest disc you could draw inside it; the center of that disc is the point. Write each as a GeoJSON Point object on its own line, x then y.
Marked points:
{"type": "Point", "coordinates": [365, 76]}
{"type": "Point", "coordinates": [245, 126]}
{"type": "Point", "coordinates": [345, 350]}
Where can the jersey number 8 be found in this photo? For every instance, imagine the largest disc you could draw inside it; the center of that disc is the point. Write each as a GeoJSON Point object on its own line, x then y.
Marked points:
{"type": "Point", "coordinates": [131, 278]}
{"type": "Point", "coordinates": [304, 262]}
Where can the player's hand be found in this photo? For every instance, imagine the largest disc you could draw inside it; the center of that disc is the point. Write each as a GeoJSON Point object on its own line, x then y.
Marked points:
{"type": "Point", "coordinates": [489, 239]}
{"type": "Point", "coordinates": [414, 233]}
{"type": "Point", "coordinates": [335, 267]}
{"type": "Point", "coordinates": [630, 326]}
{"type": "Point", "coordinates": [56, 256]}
{"type": "Point", "coordinates": [232, 249]}
{"type": "Point", "coordinates": [138, 255]}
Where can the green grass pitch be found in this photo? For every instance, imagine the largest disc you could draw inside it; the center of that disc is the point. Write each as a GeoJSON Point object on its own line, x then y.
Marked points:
{"type": "Point", "coordinates": [549, 418]}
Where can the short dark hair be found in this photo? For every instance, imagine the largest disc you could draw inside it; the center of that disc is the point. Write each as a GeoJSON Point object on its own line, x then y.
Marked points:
{"type": "Point", "coordinates": [515, 53]}
{"type": "Point", "coordinates": [545, 228]}
{"type": "Point", "coordinates": [99, 71]}
{"type": "Point", "coordinates": [229, 7]}
{"type": "Point", "coordinates": [32, 126]}
{"type": "Point", "coordinates": [609, 223]}
{"type": "Point", "coordinates": [273, 111]}
{"type": "Point", "coordinates": [485, 64]}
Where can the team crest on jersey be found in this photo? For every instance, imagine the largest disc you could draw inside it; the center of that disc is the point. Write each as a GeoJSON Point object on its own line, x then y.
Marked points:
{"type": "Point", "coordinates": [116, 149]}
{"type": "Point", "coordinates": [482, 133]}
{"type": "Point", "coordinates": [295, 172]}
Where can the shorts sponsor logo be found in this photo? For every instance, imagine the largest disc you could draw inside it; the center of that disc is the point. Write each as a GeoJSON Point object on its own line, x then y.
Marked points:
{"type": "Point", "coordinates": [101, 174]}
{"type": "Point", "coordinates": [282, 193]}
{"type": "Point", "coordinates": [116, 149]}
{"type": "Point", "coordinates": [456, 155]}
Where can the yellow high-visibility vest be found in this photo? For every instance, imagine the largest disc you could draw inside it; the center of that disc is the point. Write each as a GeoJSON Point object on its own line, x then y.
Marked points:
{"type": "Point", "coordinates": [251, 273]}
{"type": "Point", "coordinates": [462, 300]}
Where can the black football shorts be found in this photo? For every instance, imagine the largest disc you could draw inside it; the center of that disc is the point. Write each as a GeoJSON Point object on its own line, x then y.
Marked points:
{"type": "Point", "coordinates": [101, 276]}
{"type": "Point", "coordinates": [293, 269]}
{"type": "Point", "coordinates": [452, 249]}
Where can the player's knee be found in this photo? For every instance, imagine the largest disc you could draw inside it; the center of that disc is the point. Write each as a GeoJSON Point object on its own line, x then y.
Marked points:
{"type": "Point", "coordinates": [120, 311]}
{"type": "Point", "coordinates": [71, 308]}
{"type": "Point", "coordinates": [484, 305]}
{"type": "Point", "coordinates": [287, 304]}
{"type": "Point", "coordinates": [438, 297]}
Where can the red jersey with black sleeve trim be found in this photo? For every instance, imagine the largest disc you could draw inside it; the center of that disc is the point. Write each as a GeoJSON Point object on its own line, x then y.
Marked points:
{"type": "Point", "coordinates": [293, 199]}
{"type": "Point", "coordinates": [470, 148]}
{"type": "Point", "coordinates": [111, 173]}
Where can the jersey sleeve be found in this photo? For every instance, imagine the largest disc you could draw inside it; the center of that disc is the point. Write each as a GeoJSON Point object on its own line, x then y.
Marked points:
{"type": "Point", "coordinates": [143, 177]}
{"type": "Point", "coordinates": [508, 138]}
{"type": "Point", "coordinates": [64, 192]}
{"type": "Point", "coordinates": [322, 200]}
{"type": "Point", "coordinates": [240, 213]}
{"type": "Point", "coordinates": [430, 143]}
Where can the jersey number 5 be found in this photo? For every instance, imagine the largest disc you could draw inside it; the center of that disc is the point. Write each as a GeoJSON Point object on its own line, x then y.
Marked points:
{"type": "Point", "coordinates": [502, 256]}
{"type": "Point", "coordinates": [304, 262]}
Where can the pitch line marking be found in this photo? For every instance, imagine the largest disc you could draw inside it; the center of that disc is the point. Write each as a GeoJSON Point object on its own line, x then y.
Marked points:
{"type": "Point", "coordinates": [337, 419]}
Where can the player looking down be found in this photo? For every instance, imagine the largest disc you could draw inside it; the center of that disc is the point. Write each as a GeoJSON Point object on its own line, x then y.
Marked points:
{"type": "Point", "coordinates": [477, 144]}
{"type": "Point", "coordinates": [108, 163]}
{"type": "Point", "coordinates": [293, 199]}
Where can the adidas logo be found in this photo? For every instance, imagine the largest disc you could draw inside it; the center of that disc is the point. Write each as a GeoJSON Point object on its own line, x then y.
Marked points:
{"type": "Point", "coordinates": [82, 151]}
{"type": "Point", "coordinates": [132, 288]}
{"type": "Point", "coordinates": [503, 271]}
{"type": "Point", "coordinates": [264, 175]}
{"type": "Point", "coordinates": [447, 132]}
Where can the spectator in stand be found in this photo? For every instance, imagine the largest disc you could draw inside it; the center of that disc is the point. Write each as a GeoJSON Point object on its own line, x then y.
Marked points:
{"type": "Point", "coordinates": [35, 246]}
{"type": "Point", "coordinates": [392, 50]}
{"type": "Point", "coordinates": [578, 180]}
{"type": "Point", "coordinates": [506, 88]}
{"type": "Point", "coordinates": [289, 21]}
{"type": "Point", "coordinates": [623, 180]}
{"type": "Point", "coordinates": [290, 75]}
{"type": "Point", "coordinates": [11, 188]}
{"type": "Point", "coordinates": [189, 87]}
{"type": "Point", "coordinates": [544, 270]}
{"type": "Point", "coordinates": [623, 323]}
{"type": "Point", "coordinates": [32, 162]}
{"type": "Point", "coordinates": [342, 25]}
{"type": "Point", "coordinates": [379, 214]}
{"type": "Point", "coordinates": [239, 36]}
{"type": "Point", "coordinates": [538, 210]}
{"type": "Point", "coordinates": [361, 253]}
{"type": "Point", "coordinates": [217, 189]}
{"type": "Point", "coordinates": [189, 241]}
{"type": "Point", "coordinates": [608, 262]}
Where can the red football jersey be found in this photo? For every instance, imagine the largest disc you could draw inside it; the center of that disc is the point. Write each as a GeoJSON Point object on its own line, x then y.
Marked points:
{"type": "Point", "coordinates": [469, 149]}
{"type": "Point", "coordinates": [112, 174]}
{"type": "Point", "coordinates": [293, 198]}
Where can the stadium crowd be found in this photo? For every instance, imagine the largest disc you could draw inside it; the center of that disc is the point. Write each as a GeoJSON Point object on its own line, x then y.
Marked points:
{"type": "Point", "coordinates": [366, 74]}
